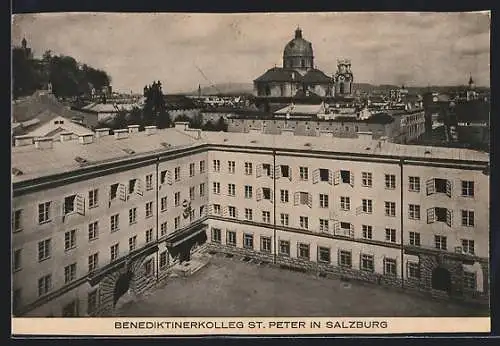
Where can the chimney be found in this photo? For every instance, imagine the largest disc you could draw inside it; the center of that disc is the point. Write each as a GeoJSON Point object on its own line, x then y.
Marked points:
{"type": "Point", "coordinates": [365, 136]}
{"type": "Point", "coordinates": [150, 130]}
{"type": "Point", "coordinates": [44, 143]}
{"type": "Point", "coordinates": [122, 133]}
{"type": "Point", "coordinates": [102, 132]}
{"type": "Point", "coordinates": [288, 132]}
{"type": "Point", "coordinates": [133, 128]}
{"type": "Point", "coordinates": [86, 139]}
{"type": "Point", "coordinates": [66, 136]}
{"type": "Point", "coordinates": [181, 125]}
{"type": "Point", "coordinates": [23, 140]}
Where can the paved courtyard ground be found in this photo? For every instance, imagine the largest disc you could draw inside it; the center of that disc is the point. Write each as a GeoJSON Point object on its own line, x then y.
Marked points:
{"type": "Point", "coordinates": [229, 287]}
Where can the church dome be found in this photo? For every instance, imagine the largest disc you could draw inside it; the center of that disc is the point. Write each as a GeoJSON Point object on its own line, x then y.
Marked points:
{"type": "Point", "coordinates": [298, 53]}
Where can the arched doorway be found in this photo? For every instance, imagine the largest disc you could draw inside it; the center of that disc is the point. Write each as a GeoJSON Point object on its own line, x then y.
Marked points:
{"type": "Point", "coordinates": [122, 285]}
{"type": "Point", "coordinates": [441, 279]}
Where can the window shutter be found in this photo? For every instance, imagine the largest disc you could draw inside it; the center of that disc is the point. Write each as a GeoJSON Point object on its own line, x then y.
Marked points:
{"type": "Point", "coordinates": [138, 187]}
{"type": "Point", "coordinates": [271, 195]}
{"type": "Point", "coordinates": [296, 198]}
{"type": "Point", "coordinates": [289, 173]}
{"type": "Point", "coordinates": [277, 172]}
{"type": "Point", "coordinates": [80, 204]}
{"type": "Point", "coordinates": [430, 215]}
{"type": "Point", "coordinates": [430, 186]}
{"type": "Point", "coordinates": [351, 230]}
{"type": "Point", "coordinates": [309, 200]}
{"type": "Point", "coordinates": [359, 210]}
{"type": "Point", "coordinates": [225, 211]}
{"type": "Point", "coordinates": [351, 179]}
{"type": "Point", "coordinates": [122, 192]}
{"type": "Point", "coordinates": [336, 228]}
{"type": "Point", "coordinates": [236, 212]}
{"type": "Point", "coordinates": [449, 217]}
{"type": "Point", "coordinates": [315, 176]}
{"type": "Point", "coordinates": [258, 170]}
{"type": "Point", "coordinates": [271, 171]}
{"type": "Point", "coordinates": [336, 178]}
{"type": "Point", "coordinates": [448, 188]}
{"type": "Point", "coordinates": [210, 209]}
{"type": "Point", "coordinates": [169, 178]}
{"type": "Point", "coordinates": [330, 177]}
{"type": "Point", "coordinates": [259, 194]}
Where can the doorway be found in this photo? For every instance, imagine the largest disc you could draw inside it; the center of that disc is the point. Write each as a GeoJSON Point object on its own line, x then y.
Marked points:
{"type": "Point", "coordinates": [441, 279]}
{"type": "Point", "coordinates": [122, 286]}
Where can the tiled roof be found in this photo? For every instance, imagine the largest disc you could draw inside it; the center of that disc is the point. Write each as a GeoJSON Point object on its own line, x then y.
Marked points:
{"type": "Point", "coordinates": [278, 74]}
{"type": "Point", "coordinates": [316, 76]}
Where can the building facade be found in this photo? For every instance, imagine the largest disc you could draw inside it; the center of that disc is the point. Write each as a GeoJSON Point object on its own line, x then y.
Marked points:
{"type": "Point", "coordinates": [116, 212]}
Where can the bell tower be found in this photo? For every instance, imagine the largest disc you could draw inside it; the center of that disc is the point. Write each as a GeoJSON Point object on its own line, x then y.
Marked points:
{"type": "Point", "coordinates": [343, 78]}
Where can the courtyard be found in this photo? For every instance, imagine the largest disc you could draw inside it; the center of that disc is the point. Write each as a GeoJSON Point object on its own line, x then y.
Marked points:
{"type": "Point", "coordinates": [229, 287]}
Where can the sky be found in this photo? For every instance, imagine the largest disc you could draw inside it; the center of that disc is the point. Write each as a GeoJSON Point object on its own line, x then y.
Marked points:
{"type": "Point", "coordinates": [135, 49]}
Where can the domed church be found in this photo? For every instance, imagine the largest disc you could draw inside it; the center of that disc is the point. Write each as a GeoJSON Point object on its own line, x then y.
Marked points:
{"type": "Point", "coordinates": [298, 77]}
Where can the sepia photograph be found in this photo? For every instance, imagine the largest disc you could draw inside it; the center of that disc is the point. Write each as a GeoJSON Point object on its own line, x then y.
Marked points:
{"type": "Point", "coordinates": [251, 165]}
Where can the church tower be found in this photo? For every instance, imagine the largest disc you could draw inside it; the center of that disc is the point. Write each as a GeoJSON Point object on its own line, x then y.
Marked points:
{"type": "Point", "coordinates": [343, 78]}
{"type": "Point", "coordinates": [298, 54]}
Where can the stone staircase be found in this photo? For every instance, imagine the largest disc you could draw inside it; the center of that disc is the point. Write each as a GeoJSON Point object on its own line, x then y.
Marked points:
{"type": "Point", "coordinates": [197, 262]}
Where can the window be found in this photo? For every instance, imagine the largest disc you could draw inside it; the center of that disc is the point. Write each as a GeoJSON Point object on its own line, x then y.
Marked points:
{"type": "Point", "coordinates": [284, 249]}
{"type": "Point", "coordinates": [149, 182]}
{"type": "Point", "coordinates": [248, 191]}
{"type": "Point", "coordinates": [132, 216]}
{"type": "Point", "coordinates": [285, 171]}
{"type": "Point", "coordinates": [440, 242]}
{"type": "Point", "coordinates": [132, 243]}
{"type": "Point", "coordinates": [70, 240]}
{"type": "Point", "coordinates": [44, 212]}
{"type": "Point", "coordinates": [323, 225]}
{"type": "Point", "coordinates": [163, 177]}
{"type": "Point", "coordinates": [114, 252]}
{"type": "Point", "coordinates": [470, 280]}
{"type": "Point", "coordinates": [191, 169]}
{"type": "Point", "coordinates": [216, 235]}
{"type": "Point", "coordinates": [367, 231]}
{"type": "Point", "coordinates": [303, 251]}
{"type": "Point", "coordinates": [366, 179]}
{"type": "Point", "coordinates": [248, 214]}
{"type": "Point", "coordinates": [439, 214]}
{"type": "Point", "coordinates": [44, 284]}
{"type": "Point", "coordinates": [93, 198]}
{"type": "Point", "coordinates": [439, 186]}
{"type": "Point", "coordinates": [231, 190]}
{"type": "Point", "coordinates": [217, 209]}
{"type": "Point", "coordinates": [390, 235]}
{"type": "Point", "coordinates": [148, 267]}
{"type": "Point", "coordinates": [132, 185]}
{"type": "Point", "coordinates": [266, 167]}
{"type": "Point", "coordinates": [202, 166]}
{"type": "Point", "coordinates": [390, 209]}
{"type": "Point", "coordinates": [346, 176]}
{"type": "Point", "coordinates": [284, 196]}
{"type": "Point", "coordinates": [390, 266]}
{"type": "Point", "coordinates": [413, 270]}
{"type": "Point", "coordinates": [177, 173]}
{"type": "Point", "coordinates": [367, 206]}
{"type": "Point", "coordinates": [468, 246]}
{"type": "Point", "coordinates": [149, 209]}
{"type": "Point", "coordinates": [414, 184]}
{"type": "Point", "coordinates": [177, 199]}
{"type": "Point", "coordinates": [323, 200]}
{"type": "Point", "coordinates": [69, 204]}
{"type": "Point", "coordinates": [17, 224]}
{"type": "Point", "coordinates": [345, 259]}
{"type": "Point", "coordinates": [467, 188]}
{"type": "Point", "coordinates": [390, 181]}
{"type": "Point", "coordinates": [216, 187]}
{"type": "Point", "coordinates": [177, 222]}
{"type": "Point", "coordinates": [231, 238]}
{"type": "Point", "coordinates": [366, 262]}
{"type": "Point", "coordinates": [232, 211]}
{"type": "Point", "coordinates": [231, 166]}
{"type": "Point", "coordinates": [44, 249]}
{"type": "Point", "coordinates": [248, 241]}
{"type": "Point", "coordinates": [345, 203]}
{"type": "Point", "coordinates": [113, 191]}
{"type": "Point", "coordinates": [414, 212]}
{"type": "Point", "coordinates": [284, 219]}
{"type": "Point", "coordinates": [216, 165]}
{"type": "Point", "coordinates": [191, 193]}
{"type": "Point", "coordinates": [69, 273]}
{"type": "Point", "coordinates": [163, 229]}
{"type": "Point", "coordinates": [248, 168]}
{"type": "Point", "coordinates": [163, 259]}
{"type": "Point", "coordinates": [163, 203]}
{"type": "Point", "coordinates": [304, 222]}
{"type": "Point", "coordinates": [93, 262]}
{"type": "Point", "coordinates": [415, 238]}
{"type": "Point", "coordinates": [17, 260]}
{"type": "Point", "coordinates": [202, 189]}
{"type": "Point", "coordinates": [468, 218]}
{"type": "Point", "coordinates": [149, 235]}
{"type": "Point", "coordinates": [266, 193]}
{"type": "Point", "coordinates": [323, 254]}
{"type": "Point", "coordinates": [304, 173]}
{"type": "Point", "coordinates": [266, 217]}
{"type": "Point", "coordinates": [265, 244]}
{"type": "Point", "coordinates": [92, 302]}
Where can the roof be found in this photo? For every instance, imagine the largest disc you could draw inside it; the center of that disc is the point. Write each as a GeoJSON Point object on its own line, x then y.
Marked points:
{"type": "Point", "coordinates": [316, 76]}
{"type": "Point", "coordinates": [33, 162]}
{"type": "Point", "coordinates": [298, 46]}
{"type": "Point", "coordinates": [300, 109]}
{"type": "Point", "coordinates": [279, 74]}
{"type": "Point", "coordinates": [108, 107]}
{"type": "Point", "coordinates": [179, 102]}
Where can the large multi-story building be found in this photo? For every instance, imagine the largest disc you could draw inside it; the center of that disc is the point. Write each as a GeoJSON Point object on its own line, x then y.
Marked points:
{"type": "Point", "coordinates": [106, 214]}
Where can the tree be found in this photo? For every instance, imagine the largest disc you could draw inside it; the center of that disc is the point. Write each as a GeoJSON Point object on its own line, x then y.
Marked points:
{"type": "Point", "coordinates": [155, 110]}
